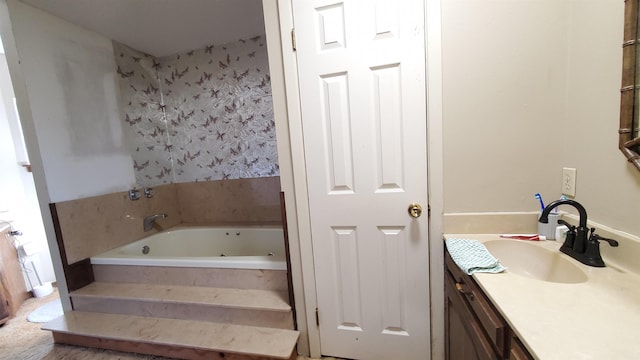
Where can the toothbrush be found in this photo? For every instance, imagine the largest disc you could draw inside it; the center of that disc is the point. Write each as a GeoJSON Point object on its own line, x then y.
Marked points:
{"type": "Point", "coordinates": [562, 197]}
{"type": "Point", "coordinates": [539, 197]}
{"type": "Point", "coordinates": [530, 237]}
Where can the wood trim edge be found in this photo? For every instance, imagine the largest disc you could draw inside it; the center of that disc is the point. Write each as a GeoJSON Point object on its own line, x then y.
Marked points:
{"type": "Point", "coordinates": [629, 92]}
{"type": "Point", "coordinates": [152, 349]}
{"type": "Point", "coordinates": [78, 274]}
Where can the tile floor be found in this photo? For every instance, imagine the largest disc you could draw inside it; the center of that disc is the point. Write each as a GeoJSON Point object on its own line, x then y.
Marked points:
{"type": "Point", "coordinates": [23, 340]}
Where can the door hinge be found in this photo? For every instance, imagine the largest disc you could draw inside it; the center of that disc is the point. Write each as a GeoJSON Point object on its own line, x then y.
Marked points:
{"type": "Point", "coordinates": [293, 39]}
{"type": "Point", "coordinates": [428, 211]}
{"type": "Point", "coordinates": [317, 318]}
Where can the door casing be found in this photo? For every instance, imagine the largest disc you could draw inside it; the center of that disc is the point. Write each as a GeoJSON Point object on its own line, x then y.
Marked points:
{"type": "Point", "coordinates": [284, 78]}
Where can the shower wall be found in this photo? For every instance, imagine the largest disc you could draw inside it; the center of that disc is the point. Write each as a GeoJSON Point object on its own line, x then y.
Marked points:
{"type": "Point", "coordinates": [142, 118]}
{"type": "Point", "coordinates": [197, 116]}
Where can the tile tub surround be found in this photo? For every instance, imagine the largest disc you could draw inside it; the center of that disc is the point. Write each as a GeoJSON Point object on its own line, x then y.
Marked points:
{"type": "Point", "coordinates": [96, 224]}
{"type": "Point", "coordinates": [242, 201]}
{"type": "Point", "coordinates": [93, 225]}
{"type": "Point", "coordinates": [169, 302]}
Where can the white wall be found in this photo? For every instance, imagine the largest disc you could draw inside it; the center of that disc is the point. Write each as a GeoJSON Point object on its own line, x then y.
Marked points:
{"type": "Point", "coordinates": [18, 200]}
{"type": "Point", "coordinates": [504, 66]}
{"type": "Point", "coordinates": [607, 184]}
{"type": "Point", "coordinates": [531, 87]}
{"type": "Point", "coordinates": [70, 78]}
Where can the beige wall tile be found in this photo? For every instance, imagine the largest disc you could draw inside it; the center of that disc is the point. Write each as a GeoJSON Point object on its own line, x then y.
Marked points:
{"type": "Point", "coordinates": [212, 277]}
{"type": "Point", "coordinates": [163, 309]}
{"type": "Point", "coordinates": [93, 225]}
{"type": "Point", "coordinates": [241, 201]}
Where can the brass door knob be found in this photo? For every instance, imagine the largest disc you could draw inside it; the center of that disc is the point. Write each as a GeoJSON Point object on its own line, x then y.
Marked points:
{"type": "Point", "coordinates": [415, 210]}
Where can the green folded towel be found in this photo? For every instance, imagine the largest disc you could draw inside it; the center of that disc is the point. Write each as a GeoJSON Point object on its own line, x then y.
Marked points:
{"type": "Point", "coordinates": [472, 256]}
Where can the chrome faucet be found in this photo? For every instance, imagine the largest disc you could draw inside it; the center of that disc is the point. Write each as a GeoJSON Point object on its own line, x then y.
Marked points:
{"type": "Point", "coordinates": [578, 244]}
{"type": "Point", "coordinates": [150, 220]}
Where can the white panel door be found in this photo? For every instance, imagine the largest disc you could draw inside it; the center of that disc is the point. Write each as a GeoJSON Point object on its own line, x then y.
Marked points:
{"type": "Point", "coordinates": [362, 88]}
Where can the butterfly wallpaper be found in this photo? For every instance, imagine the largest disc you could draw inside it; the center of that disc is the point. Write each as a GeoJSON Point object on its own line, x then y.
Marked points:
{"type": "Point", "coordinates": [202, 115]}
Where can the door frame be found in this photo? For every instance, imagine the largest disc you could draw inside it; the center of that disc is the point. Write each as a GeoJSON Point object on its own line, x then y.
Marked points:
{"type": "Point", "coordinates": [278, 16]}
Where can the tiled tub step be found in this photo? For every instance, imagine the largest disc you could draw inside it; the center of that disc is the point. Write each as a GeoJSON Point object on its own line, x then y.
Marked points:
{"type": "Point", "coordinates": [267, 308]}
{"type": "Point", "coordinates": [213, 277]}
{"type": "Point", "coordinates": [183, 339]}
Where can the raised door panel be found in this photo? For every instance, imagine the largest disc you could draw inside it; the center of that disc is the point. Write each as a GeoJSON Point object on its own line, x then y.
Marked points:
{"type": "Point", "coordinates": [362, 89]}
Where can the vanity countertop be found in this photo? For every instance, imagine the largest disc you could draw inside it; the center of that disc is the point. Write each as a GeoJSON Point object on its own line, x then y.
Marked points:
{"type": "Point", "coordinates": [596, 319]}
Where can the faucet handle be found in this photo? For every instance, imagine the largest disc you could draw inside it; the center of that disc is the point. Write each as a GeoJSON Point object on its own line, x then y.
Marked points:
{"type": "Point", "coordinates": [571, 234]}
{"type": "Point", "coordinates": [596, 237]}
{"type": "Point", "coordinates": [569, 226]}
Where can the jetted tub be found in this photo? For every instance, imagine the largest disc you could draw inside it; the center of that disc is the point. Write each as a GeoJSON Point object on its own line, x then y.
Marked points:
{"type": "Point", "coordinates": [212, 247]}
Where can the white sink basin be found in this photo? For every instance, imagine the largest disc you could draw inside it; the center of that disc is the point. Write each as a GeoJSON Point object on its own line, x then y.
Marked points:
{"type": "Point", "coordinates": [530, 260]}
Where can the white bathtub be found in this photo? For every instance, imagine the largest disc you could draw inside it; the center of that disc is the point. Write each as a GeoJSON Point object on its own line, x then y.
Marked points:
{"type": "Point", "coordinates": [212, 247]}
